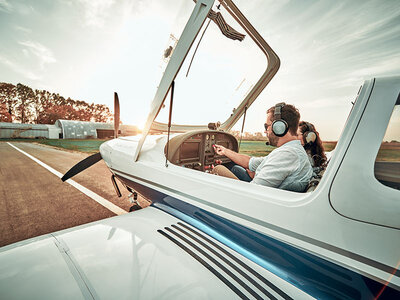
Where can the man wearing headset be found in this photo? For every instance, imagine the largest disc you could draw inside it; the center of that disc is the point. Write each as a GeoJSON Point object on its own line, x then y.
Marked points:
{"type": "Point", "coordinates": [286, 167]}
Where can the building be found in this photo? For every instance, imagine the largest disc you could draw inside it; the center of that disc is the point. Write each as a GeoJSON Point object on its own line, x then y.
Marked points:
{"type": "Point", "coordinates": [17, 130]}
{"type": "Point", "coordinates": [64, 129]}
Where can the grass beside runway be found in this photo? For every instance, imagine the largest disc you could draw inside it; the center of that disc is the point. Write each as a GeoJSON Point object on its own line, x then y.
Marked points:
{"type": "Point", "coordinates": [87, 146]}
{"type": "Point", "coordinates": [255, 148]}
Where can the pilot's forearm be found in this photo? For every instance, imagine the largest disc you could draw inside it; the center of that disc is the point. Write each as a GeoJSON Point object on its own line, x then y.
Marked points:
{"type": "Point", "coordinates": [237, 158]}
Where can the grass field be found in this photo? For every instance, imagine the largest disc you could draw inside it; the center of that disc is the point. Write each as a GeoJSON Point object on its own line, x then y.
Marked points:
{"type": "Point", "coordinates": [258, 148]}
{"type": "Point", "coordinates": [388, 151]}
{"type": "Point", "coordinates": [255, 148]}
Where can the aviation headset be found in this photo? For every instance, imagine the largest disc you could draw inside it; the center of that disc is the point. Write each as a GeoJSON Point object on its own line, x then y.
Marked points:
{"type": "Point", "coordinates": [309, 135]}
{"type": "Point", "coordinates": [279, 126]}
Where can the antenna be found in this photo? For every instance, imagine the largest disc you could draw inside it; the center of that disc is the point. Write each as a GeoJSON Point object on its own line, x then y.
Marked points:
{"type": "Point", "coordinates": [198, 44]}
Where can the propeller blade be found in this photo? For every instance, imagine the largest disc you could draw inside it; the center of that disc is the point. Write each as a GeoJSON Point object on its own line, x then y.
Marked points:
{"type": "Point", "coordinates": [116, 115]}
{"type": "Point", "coordinates": [82, 165]}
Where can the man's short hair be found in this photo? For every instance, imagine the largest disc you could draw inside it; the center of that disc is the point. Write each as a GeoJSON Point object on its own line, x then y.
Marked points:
{"type": "Point", "coordinates": [290, 114]}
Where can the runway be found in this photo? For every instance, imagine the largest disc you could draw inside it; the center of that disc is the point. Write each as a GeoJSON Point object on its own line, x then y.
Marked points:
{"type": "Point", "coordinates": [34, 201]}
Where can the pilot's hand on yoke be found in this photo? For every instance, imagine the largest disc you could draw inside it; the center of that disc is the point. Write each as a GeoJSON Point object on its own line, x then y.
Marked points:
{"type": "Point", "coordinates": [220, 150]}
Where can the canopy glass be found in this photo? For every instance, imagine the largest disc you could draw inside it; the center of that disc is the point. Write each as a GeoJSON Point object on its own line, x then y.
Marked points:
{"type": "Point", "coordinates": [221, 73]}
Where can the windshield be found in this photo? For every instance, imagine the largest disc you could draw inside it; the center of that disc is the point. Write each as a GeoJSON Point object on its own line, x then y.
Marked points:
{"type": "Point", "coordinates": [222, 71]}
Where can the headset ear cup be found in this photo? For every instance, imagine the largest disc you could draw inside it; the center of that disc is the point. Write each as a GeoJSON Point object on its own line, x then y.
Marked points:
{"type": "Point", "coordinates": [310, 137]}
{"type": "Point", "coordinates": [279, 127]}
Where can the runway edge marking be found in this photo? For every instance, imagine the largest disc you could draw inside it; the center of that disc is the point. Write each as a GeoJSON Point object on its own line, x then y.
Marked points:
{"type": "Point", "coordinates": [104, 202]}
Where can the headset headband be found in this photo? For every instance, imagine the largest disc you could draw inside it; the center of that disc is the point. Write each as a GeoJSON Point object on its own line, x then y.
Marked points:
{"type": "Point", "coordinates": [309, 126]}
{"type": "Point", "coordinates": [278, 110]}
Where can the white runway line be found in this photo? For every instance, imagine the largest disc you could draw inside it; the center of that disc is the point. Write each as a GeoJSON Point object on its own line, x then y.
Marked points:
{"type": "Point", "coordinates": [107, 204]}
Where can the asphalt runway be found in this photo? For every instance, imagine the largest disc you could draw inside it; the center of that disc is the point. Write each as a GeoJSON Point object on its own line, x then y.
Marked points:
{"type": "Point", "coordinates": [34, 201]}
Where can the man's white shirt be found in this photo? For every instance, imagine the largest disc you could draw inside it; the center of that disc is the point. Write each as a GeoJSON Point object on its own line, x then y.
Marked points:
{"type": "Point", "coordinates": [287, 167]}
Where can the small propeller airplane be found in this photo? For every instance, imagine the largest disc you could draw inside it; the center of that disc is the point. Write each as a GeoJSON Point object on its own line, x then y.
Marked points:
{"type": "Point", "coordinates": [206, 236]}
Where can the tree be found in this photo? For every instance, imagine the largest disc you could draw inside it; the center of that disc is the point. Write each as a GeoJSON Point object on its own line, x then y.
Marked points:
{"type": "Point", "coordinates": [5, 116]}
{"type": "Point", "coordinates": [39, 104]}
{"type": "Point", "coordinates": [101, 113]}
{"type": "Point", "coordinates": [8, 102]}
{"type": "Point", "coordinates": [21, 103]}
{"type": "Point", "coordinates": [25, 96]}
{"type": "Point", "coordinates": [55, 112]}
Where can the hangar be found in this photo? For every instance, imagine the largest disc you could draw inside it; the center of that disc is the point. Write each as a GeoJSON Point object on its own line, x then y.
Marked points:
{"type": "Point", "coordinates": [64, 129]}
{"type": "Point", "coordinates": [17, 130]}
{"type": "Point", "coordinates": [84, 130]}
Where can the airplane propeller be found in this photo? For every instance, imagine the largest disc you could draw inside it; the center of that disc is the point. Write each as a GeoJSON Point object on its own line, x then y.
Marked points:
{"type": "Point", "coordinates": [116, 115]}
{"type": "Point", "coordinates": [92, 159]}
{"type": "Point", "coordinates": [82, 165]}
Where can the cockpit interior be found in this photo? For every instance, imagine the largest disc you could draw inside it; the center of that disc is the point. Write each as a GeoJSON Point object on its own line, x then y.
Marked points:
{"type": "Point", "coordinates": [195, 149]}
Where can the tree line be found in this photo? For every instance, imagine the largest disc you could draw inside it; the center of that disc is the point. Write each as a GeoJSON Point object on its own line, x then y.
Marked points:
{"type": "Point", "coordinates": [249, 136]}
{"type": "Point", "coordinates": [21, 104]}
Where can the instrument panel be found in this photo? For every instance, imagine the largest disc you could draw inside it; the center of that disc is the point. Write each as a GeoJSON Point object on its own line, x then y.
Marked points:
{"type": "Point", "coordinates": [195, 150]}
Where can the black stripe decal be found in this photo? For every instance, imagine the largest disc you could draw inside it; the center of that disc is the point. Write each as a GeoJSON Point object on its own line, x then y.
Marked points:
{"type": "Point", "coordinates": [252, 281]}
{"type": "Point", "coordinates": [205, 264]}
{"type": "Point", "coordinates": [216, 262]}
{"type": "Point", "coordinates": [346, 253]}
{"type": "Point", "coordinates": [238, 261]}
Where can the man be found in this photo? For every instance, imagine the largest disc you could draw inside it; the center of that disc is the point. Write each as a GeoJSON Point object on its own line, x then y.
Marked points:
{"type": "Point", "coordinates": [286, 167]}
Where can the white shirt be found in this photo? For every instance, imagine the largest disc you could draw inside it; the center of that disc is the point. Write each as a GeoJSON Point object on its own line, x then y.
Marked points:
{"type": "Point", "coordinates": [286, 167]}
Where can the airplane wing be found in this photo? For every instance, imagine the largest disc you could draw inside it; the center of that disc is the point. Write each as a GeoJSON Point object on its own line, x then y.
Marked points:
{"type": "Point", "coordinates": [145, 255]}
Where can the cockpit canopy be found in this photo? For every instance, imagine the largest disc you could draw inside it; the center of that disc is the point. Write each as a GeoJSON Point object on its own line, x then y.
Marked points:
{"type": "Point", "coordinates": [217, 75]}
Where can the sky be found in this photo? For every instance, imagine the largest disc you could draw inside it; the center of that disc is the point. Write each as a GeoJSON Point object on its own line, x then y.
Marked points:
{"type": "Point", "coordinates": [87, 49]}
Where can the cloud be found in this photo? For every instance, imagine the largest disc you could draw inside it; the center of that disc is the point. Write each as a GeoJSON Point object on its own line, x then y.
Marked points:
{"type": "Point", "coordinates": [389, 66]}
{"type": "Point", "coordinates": [19, 69]}
{"type": "Point", "coordinates": [96, 11]}
{"type": "Point", "coordinates": [26, 53]}
{"type": "Point", "coordinates": [5, 6]}
{"type": "Point", "coordinates": [25, 9]}
{"type": "Point", "coordinates": [22, 29]}
{"type": "Point", "coordinates": [44, 55]}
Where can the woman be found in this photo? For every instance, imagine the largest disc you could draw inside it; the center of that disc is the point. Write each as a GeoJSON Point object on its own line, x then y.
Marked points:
{"type": "Point", "coordinates": [312, 143]}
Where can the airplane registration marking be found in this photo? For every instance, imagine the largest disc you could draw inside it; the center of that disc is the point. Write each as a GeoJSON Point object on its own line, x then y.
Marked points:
{"type": "Point", "coordinates": [104, 202]}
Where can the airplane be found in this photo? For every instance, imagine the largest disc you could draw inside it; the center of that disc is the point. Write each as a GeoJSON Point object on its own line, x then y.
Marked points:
{"type": "Point", "coordinates": [206, 236]}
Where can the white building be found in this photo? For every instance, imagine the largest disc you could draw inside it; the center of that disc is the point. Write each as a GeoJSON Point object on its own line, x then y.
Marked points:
{"type": "Point", "coordinates": [63, 129]}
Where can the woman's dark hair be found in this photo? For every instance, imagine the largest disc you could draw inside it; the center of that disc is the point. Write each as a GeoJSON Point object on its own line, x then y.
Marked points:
{"type": "Point", "coordinates": [315, 149]}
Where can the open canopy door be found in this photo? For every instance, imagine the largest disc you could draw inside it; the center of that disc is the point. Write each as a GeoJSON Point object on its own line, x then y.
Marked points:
{"type": "Point", "coordinates": [190, 32]}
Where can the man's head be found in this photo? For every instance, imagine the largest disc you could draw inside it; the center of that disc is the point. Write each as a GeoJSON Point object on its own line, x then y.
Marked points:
{"type": "Point", "coordinates": [290, 115]}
